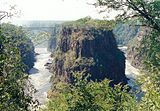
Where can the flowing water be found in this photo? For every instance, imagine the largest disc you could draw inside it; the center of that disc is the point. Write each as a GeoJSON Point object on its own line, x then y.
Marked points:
{"type": "Point", "coordinates": [132, 74]}
{"type": "Point", "coordinates": [40, 76]}
{"type": "Point", "coordinates": [130, 71]}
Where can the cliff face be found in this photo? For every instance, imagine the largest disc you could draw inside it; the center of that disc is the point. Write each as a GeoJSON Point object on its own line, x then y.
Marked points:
{"type": "Point", "coordinates": [124, 33]}
{"type": "Point", "coordinates": [52, 42]}
{"type": "Point", "coordinates": [91, 50]}
{"type": "Point", "coordinates": [135, 54]}
{"type": "Point", "coordinates": [27, 54]}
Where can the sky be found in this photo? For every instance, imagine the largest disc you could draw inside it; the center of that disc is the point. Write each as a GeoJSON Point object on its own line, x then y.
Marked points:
{"type": "Point", "coordinates": [60, 10]}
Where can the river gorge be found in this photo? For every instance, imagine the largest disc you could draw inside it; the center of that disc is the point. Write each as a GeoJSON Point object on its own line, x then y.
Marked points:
{"type": "Point", "coordinates": [40, 75]}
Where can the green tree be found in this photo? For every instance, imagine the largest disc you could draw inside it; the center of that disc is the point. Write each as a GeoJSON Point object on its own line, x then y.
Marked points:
{"type": "Point", "coordinates": [148, 11]}
{"type": "Point", "coordinates": [12, 71]}
{"type": "Point", "coordinates": [151, 80]}
{"type": "Point", "coordinates": [83, 95]}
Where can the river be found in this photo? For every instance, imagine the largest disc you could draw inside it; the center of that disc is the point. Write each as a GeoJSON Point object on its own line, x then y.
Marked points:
{"type": "Point", "coordinates": [130, 71]}
{"type": "Point", "coordinates": [132, 74]}
{"type": "Point", "coordinates": [40, 76]}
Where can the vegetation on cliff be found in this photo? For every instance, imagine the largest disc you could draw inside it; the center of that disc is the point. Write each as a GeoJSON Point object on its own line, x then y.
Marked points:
{"type": "Point", "coordinates": [15, 52]}
{"type": "Point", "coordinates": [19, 37]}
{"type": "Point", "coordinates": [88, 50]}
{"type": "Point", "coordinates": [88, 22]}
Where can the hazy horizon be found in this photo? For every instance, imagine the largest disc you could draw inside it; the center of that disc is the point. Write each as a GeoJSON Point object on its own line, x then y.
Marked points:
{"type": "Point", "coordinates": [55, 10]}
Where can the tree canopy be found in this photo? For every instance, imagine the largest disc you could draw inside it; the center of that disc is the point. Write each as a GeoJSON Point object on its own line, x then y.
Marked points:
{"type": "Point", "coordinates": [16, 51]}
{"type": "Point", "coordinates": [147, 11]}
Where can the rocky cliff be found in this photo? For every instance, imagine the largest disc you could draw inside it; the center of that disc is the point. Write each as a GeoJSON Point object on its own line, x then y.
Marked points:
{"type": "Point", "coordinates": [52, 42]}
{"type": "Point", "coordinates": [124, 33]}
{"type": "Point", "coordinates": [27, 54]}
{"type": "Point", "coordinates": [135, 54]}
{"type": "Point", "coordinates": [90, 50]}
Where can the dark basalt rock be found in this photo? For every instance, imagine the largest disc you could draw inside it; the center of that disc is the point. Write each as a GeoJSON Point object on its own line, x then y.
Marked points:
{"type": "Point", "coordinates": [52, 42]}
{"type": "Point", "coordinates": [89, 49]}
{"type": "Point", "coordinates": [27, 54]}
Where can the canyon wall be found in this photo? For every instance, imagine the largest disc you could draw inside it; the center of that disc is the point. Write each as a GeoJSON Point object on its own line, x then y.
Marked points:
{"type": "Point", "coordinates": [91, 50]}
{"type": "Point", "coordinates": [136, 49]}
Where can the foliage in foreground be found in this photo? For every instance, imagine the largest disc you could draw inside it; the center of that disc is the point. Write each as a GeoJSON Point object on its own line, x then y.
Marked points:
{"type": "Point", "coordinates": [146, 11]}
{"type": "Point", "coordinates": [150, 46]}
{"type": "Point", "coordinates": [90, 96]}
{"type": "Point", "coordinates": [12, 70]}
{"type": "Point", "coordinates": [18, 37]}
{"type": "Point", "coordinates": [99, 96]}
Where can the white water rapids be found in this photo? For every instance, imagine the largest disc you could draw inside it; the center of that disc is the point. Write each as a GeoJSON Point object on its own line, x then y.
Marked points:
{"type": "Point", "coordinates": [132, 74]}
{"type": "Point", "coordinates": [130, 71]}
{"type": "Point", "coordinates": [40, 76]}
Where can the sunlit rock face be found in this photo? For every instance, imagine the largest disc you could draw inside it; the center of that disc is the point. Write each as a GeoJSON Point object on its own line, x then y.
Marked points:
{"type": "Point", "coordinates": [91, 50]}
{"type": "Point", "coordinates": [124, 33]}
{"type": "Point", "coordinates": [134, 54]}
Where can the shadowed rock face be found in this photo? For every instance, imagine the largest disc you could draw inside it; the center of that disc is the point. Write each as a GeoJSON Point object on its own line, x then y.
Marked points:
{"type": "Point", "coordinates": [89, 49]}
{"type": "Point", "coordinates": [52, 42]}
{"type": "Point", "coordinates": [27, 54]}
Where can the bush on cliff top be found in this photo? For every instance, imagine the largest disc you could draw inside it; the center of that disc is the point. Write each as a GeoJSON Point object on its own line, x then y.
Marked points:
{"type": "Point", "coordinates": [89, 22]}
